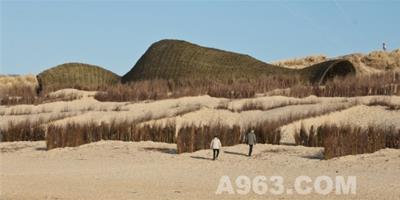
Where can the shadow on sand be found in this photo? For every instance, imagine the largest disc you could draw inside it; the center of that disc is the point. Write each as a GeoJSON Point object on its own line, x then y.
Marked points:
{"type": "Point", "coordinates": [162, 150]}
{"type": "Point", "coordinates": [317, 156]}
{"type": "Point", "coordinates": [41, 149]}
{"type": "Point", "coordinates": [201, 158]}
{"type": "Point", "coordinates": [235, 153]}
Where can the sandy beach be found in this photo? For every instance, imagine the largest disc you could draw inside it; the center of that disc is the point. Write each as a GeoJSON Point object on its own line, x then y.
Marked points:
{"type": "Point", "coordinates": [148, 170]}
{"type": "Point", "coordinates": [199, 100]}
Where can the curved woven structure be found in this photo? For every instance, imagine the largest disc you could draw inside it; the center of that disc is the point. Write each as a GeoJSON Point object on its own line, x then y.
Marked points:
{"type": "Point", "coordinates": [321, 72]}
{"type": "Point", "coordinates": [76, 75]}
{"type": "Point", "coordinates": [176, 59]}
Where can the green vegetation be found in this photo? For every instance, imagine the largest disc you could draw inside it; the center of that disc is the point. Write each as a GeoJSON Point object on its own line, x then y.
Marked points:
{"type": "Point", "coordinates": [181, 61]}
{"type": "Point", "coordinates": [76, 75]}
{"type": "Point", "coordinates": [175, 59]}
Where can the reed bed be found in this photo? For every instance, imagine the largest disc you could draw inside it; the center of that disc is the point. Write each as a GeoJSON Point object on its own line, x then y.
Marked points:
{"type": "Point", "coordinates": [23, 131]}
{"type": "Point", "coordinates": [193, 138]}
{"type": "Point", "coordinates": [387, 83]}
{"type": "Point", "coordinates": [161, 88]}
{"type": "Point", "coordinates": [73, 134]}
{"type": "Point", "coordinates": [349, 140]}
{"type": "Point", "coordinates": [376, 84]}
{"type": "Point", "coordinates": [17, 95]}
{"type": "Point", "coordinates": [189, 138]}
{"type": "Point", "coordinates": [258, 105]}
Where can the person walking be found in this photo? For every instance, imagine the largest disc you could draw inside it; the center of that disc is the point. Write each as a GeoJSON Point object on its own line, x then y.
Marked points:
{"type": "Point", "coordinates": [251, 140]}
{"type": "Point", "coordinates": [215, 146]}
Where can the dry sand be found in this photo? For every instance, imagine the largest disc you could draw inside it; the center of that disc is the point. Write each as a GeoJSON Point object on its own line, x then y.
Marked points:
{"type": "Point", "coordinates": [147, 170]}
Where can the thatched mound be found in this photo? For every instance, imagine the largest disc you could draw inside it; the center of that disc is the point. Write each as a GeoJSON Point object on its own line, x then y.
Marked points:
{"type": "Point", "coordinates": [76, 75]}
{"type": "Point", "coordinates": [175, 59]}
{"type": "Point", "coordinates": [324, 71]}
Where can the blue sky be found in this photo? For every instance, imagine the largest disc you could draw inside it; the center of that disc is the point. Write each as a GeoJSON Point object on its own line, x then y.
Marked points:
{"type": "Point", "coordinates": [36, 35]}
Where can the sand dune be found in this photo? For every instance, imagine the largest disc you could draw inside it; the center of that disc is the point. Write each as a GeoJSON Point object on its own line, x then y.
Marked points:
{"type": "Point", "coordinates": [373, 62]}
{"type": "Point", "coordinates": [200, 110]}
{"type": "Point", "coordinates": [362, 116]}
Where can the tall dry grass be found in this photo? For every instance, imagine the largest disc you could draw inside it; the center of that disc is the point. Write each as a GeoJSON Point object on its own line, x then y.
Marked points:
{"type": "Point", "coordinates": [23, 94]}
{"type": "Point", "coordinates": [17, 89]}
{"type": "Point", "coordinates": [192, 138]}
{"type": "Point", "coordinates": [258, 105]}
{"type": "Point", "coordinates": [349, 140]}
{"type": "Point", "coordinates": [73, 134]}
{"type": "Point", "coordinates": [189, 138]}
{"type": "Point", "coordinates": [23, 131]}
{"type": "Point", "coordinates": [375, 84]}
{"type": "Point", "coordinates": [161, 89]}
{"type": "Point", "coordinates": [18, 94]}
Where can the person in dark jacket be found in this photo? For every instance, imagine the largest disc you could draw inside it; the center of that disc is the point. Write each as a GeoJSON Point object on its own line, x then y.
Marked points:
{"type": "Point", "coordinates": [251, 140]}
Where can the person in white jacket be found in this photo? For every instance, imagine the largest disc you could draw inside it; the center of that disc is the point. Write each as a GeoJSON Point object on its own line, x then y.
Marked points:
{"type": "Point", "coordinates": [215, 146]}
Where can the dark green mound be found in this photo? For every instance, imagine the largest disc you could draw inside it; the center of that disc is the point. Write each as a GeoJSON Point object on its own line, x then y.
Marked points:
{"type": "Point", "coordinates": [76, 75]}
{"type": "Point", "coordinates": [321, 72]}
{"type": "Point", "coordinates": [176, 59]}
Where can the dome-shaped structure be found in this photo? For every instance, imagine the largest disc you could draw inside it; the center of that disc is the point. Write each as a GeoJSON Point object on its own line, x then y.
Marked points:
{"type": "Point", "coordinates": [321, 72]}
{"type": "Point", "coordinates": [176, 59]}
{"type": "Point", "coordinates": [76, 75]}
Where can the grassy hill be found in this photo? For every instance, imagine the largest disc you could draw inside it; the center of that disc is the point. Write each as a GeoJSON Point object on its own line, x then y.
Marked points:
{"type": "Point", "coordinates": [76, 75]}
{"type": "Point", "coordinates": [176, 59]}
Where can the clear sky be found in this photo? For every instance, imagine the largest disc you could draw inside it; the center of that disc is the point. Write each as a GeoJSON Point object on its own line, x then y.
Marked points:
{"type": "Point", "coordinates": [36, 35]}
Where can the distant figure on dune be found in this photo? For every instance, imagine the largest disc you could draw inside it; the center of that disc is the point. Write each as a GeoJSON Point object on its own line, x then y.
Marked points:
{"type": "Point", "coordinates": [251, 140]}
{"type": "Point", "coordinates": [215, 146]}
{"type": "Point", "coordinates": [384, 46]}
